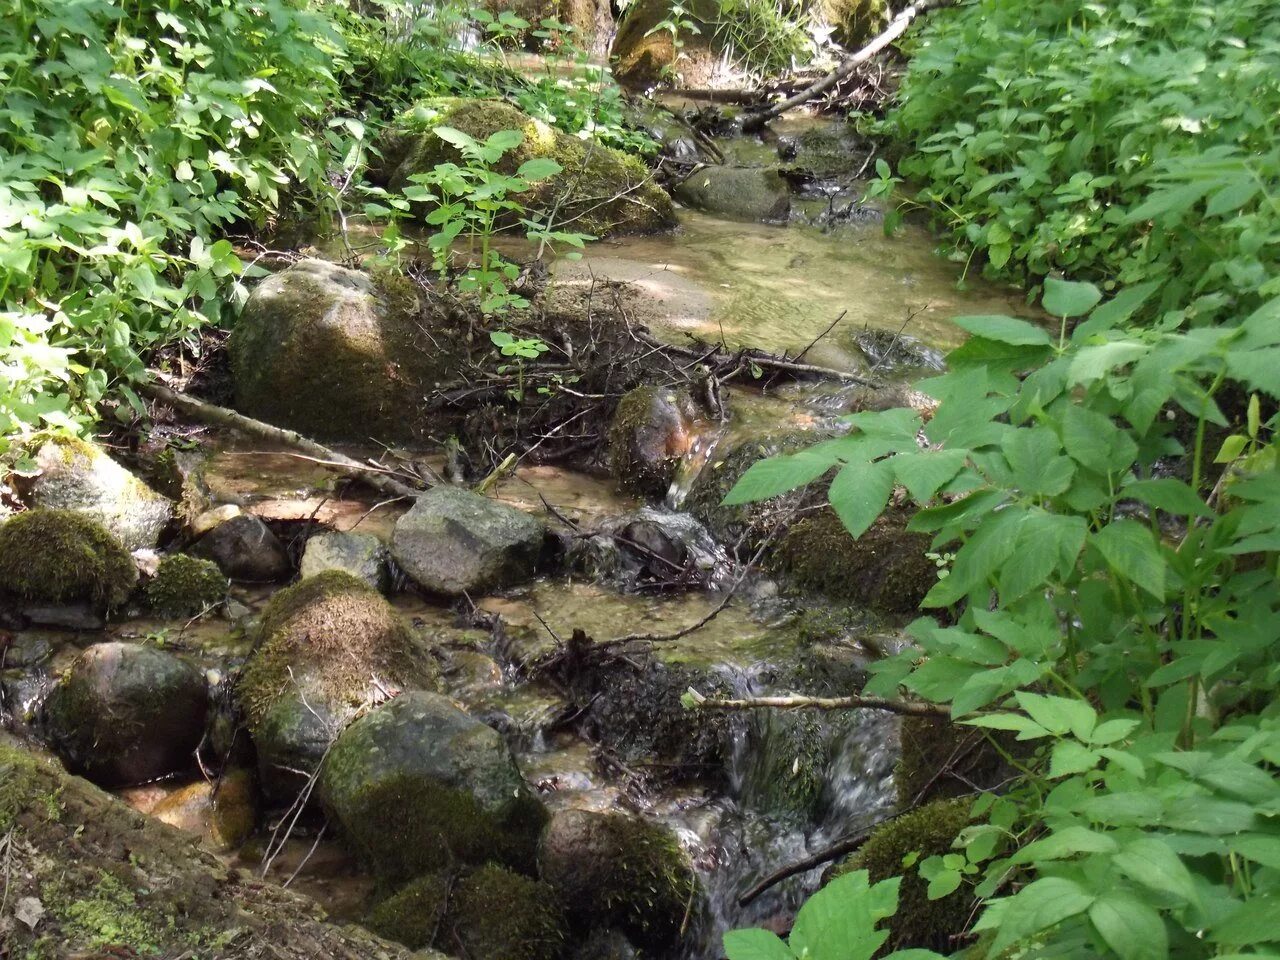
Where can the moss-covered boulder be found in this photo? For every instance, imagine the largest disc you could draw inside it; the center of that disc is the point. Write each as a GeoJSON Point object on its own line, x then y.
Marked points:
{"type": "Point", "coordinates": [599, 190]}
{"type": "Point", "coordinates": [61, 556]}
{"type": "Point", "coordinates": [185, 586]}
{"type": "Point", "coordinates": [455, 542]}
{"type": "Point", "coordinates": [80, 476]}
{"type": "Point", "coordinates": [335, 354]}
{"type": "Point", "coordinates": [643, 53]}
{"type": "Point", "coordinates": [928, 831]}
{"type": "Point", "coordinates": [938, 759]}
{"type": "Point", "coordinates": [652, 429]}
{"type": "Point", "coordinates": [414, 915]}
{"type": "Point", "coordinates": [417, 785]}
{"type": "Point", "coordinates": [325, 648]}
{"type": "Point", "coordinates": [127, 713]}
{"type": "Point", "coordinates": [501, 915]}
{"type": "Point", "coordinates": [611, 869]}
{"type": "Point", "coordinates": [885, 568]}
{"type": "Point", "coordinates": [737, 193]}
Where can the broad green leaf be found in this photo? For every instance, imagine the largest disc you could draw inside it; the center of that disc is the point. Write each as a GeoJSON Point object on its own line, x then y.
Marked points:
{"type": "Point", "coordinates": [755, 944]}
{"type": "Point", "coordinates": [839, 921]}
{"type": "Point", "coordinates": [1059, 715]}
{"type": "Point", "coordinates": [539, 168]}
{"type": "Point", "coordinates": [1115, 311]}
{"type": "Point", "coordinates": [1067, 298]}
{"type": "Point", "coordinates": [925, 472]}
{"type": "Point", "coordinates": [859, 492]}
{"type": "Point", "coordinates": [1095, 442]}
{"type": "Point", "coordinates": [1069, 757]}
{"type": "Point", "coordinates": [1131, 551]}
{"type": "Point", "coordinates": [1167, 494]}
{"type": "Point", "coordinates": [1257, 921]}
{"type": "Point", "coordinates": [1064, 844]}
{"type": "Point", "coordinates": [777, 475]}
{"type": "Point", "coordinates": [1152, 863]}
{"type": "Point", "coordinates": [1005, 330]}
{"type": "Point", "coordinates": [1040, 905]}
{"type": "Point", "coordinates": [1034, 456]}
{"type": "Point", "coordinates": [1133, 929]}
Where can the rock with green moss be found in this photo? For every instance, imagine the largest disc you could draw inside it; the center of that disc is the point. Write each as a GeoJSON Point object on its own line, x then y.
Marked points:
{"type": "Point", "coordinates": [652, 430]}
{"type": "Point", "coordinates": [324, 649]}
{"type": "Point", "coordinates": [928, 831]}
{"type": "Point", "coordinates": [645, 51]}
{"type": "Point", "coordinates": [360, 554]}
{"type": "Point", "coordinates": [61, 556]}
{"type": "Point", "coordinates": [454, 542]}
{"type": "Point", "coordinates": [615, 870]}
{"type": "Point", "coordinates": [127, 713]}
{"type": "Point", "coordinates": [185, 586]}
{"type": "Point", "coordinates": [500, 915]}
{"type": "Point", "coordinates": [599, 190]}
{"type": "Point", "coordinates": [336, 355]}
{"type": "Point", "coordinates": [417, 785]}
{"type": "Point", "coordinates": [414, 915]}
{"type": "Point", "coordinates": [80, 476]}
{"type": "Point", "coordinates": [855, 22]}
{"type": "Point", "coordinates": [886, 568]}
{"type": "Point", "coordinates": [737, 193]}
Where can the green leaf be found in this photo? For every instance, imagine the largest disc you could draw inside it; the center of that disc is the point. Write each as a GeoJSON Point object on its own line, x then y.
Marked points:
{"type": "Point", "coordinates": [1033, 455]}
{"type": "Point", "coordinates": [1152, 863]}
{"type": "Point", "coordinates": [1070, 758]}
{"type": "Point", "coordinates": [1257, 921]}
{"type": "Point", "coordinates": [1131, 551]}
{"type": "Point", "coordinates": [839, 921]}
{"type": "Point", "coordinates": [1167, 494]}
{"type": "Point", "coordinates": [1130, 927]}
{"type": "Point", "coordinates": [1004, 330]}
{"type": "Point", "coordinates": [1115, 311]}
{"type": "Point", "coordinates": [923, 473]}
{"type": "Point", "coordinates": [755, 944]}
{"type": "Point", "coordinates": [539, 168]}
{"type": "Point", "coordinates": [777, 475]}
{"type": "Point", "coordinates": [505, 140]}
{"type": "Point", "coordinates": [1041, 904]}
{"type": "Point", "coordinates": [1094, 441]}
{"type": "Point", "coordinates": [859, 493]}
{"type": "Point", "coordinates": [1067, 298]}
{"type": "Point", "coordinates": [1059, 715]}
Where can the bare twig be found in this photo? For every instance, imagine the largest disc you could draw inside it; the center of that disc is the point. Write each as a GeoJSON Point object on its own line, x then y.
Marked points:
{"type": "Point", "coordinates": [812, 343]}
{"type": "Point", "coordinates": [909, 708]}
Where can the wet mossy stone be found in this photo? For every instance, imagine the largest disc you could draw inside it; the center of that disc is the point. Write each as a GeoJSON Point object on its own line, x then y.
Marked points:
{"type": "Point", "coordinates": [417, 785]}
{"type": "Point", "coordinates": [929, 831]}
{"type": "Point", "coordinates": [939, 759]}
{"type": "Point", "coordinates": [80, 476]}
{"type": "Point", "coordinates": [501, 915]}
{"type": "Point", "coordinates": [453, 541]}
{"type": "Point", "coordinates": [324, 648]}
{"type": "Point", "coordinates": [652, 430]}
{"type": "Point", "coordinates": [185, 586]}
{"type": "Point", "coordinates": [599, 190]}
{"type": "Point", "coordinates": [611, 869]}
{"type": "Point", "coordinates": [336, 355]}
{"type": "Point", "coordinates": [127, 713]}
{"type": "Point", "coordinates": [737, 193]}
{"type": "Point", "coordinates": [414, 915]}
{"type": "Point", "coordinates": [885, 568]}
{"type": "Point", "coordinates": [60, 556]}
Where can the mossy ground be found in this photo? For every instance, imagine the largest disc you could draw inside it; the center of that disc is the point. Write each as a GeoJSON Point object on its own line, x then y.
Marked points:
{"type": "Point", "coordinates": [185, 586]}
{"type": "Point", "coordinates": [500, 915]}
{"type": "Point", "coordinates": [413, 915]}
{"type": "Point", "coordinates": [59, 556]}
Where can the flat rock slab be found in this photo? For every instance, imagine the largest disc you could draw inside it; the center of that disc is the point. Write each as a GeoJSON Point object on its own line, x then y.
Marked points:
{"type": "Point", "coordinates": [454, 541]}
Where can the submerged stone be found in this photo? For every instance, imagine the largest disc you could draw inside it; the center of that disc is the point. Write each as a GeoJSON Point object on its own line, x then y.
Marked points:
{"type": "Point", "coordinates": [222, 813]}
{"type": "Point", "coordinates": [244, 548]}
{"type": "Point", "coordinates": [62, 556]}
{"type": "Point", "coordinates": [80, 476]}
{"type": "Point", "coordinates": [127, 713]}
{"type": "Point", "coordinates": [417, 785]}
{"type": "Point", "coordinates": [454, 541]}
{"type": "Point", "coordinates": [738, 193]}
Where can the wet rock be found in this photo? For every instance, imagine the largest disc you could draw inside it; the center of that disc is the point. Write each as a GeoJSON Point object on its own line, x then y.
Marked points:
{"type": "Point", "coordinates": [69, 616]}
{"type": "Point", "coordinates": [244, 548]}
{"type": "Point", "coordinates": [126, 713]}
{"type": "Point", "coordinates": [611, 869]}
{"type": "Point", "coordinates": [417, 785]}
{"type": "Point", "coordinates": [889, 352]}
{"type": "Point", "coordinates": [601, 944]}
{"type": "Point", "coordinates": [206, 520]}
{"type": "Point", "coordinates": [55, 557]}
{"type": "Point", "coordinates": [651, 547]}
{"type": "Point", "coordinates": [335, 355]}
{"type": "Point", "coordinates": [79, 476]}
{"type": "Point", "coordinates": [738, 193]}
{"type": "Point", "coordinates": [360, 554]}
{"type": "Point", "coordinates": [324, 648]}
{"type": "Point", "coordinates": [454, 541]}
{"type": "Point", "coordinates": [600, 191]}
{"type": "Point", "coordinates": [472, 675]}
{"type": "Point", "coordinates": [185, 586]}
{"type": "Point", "coordinates": [223, 814]}
{"type": "Point", "coordinates": [652, 429]}
{"type": "Point", "coordinates": [24, 650]}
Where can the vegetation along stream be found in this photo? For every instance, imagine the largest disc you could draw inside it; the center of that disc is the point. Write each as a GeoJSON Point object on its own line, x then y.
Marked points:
{"type": "Point", "coordinates": [572, 480]}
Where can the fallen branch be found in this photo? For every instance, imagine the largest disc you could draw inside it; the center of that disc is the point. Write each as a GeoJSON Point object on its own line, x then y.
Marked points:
{"type": "Point", "coordinates": [907, 708]}
{"type": "Point", "coordinates": [897, 27]}
{"type": "Point", "coordinates": [214, 415]}
{"type": "Point", "coordinates": [728, 366]}
{"type": "Point", "coordinates": [841, 848]}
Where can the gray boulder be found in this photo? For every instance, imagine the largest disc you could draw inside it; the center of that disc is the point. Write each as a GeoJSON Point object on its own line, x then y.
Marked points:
{"type": "Point", "coordinates": [739, 193]}
{"type": "Point", "coordinates": [454, 541]}
{"type": "Point", "coordinates": [127, 714]}
{"type": "Point", "coordinates": [79, 476]}
{"type": "Point", "coordinates": [362, 555]}
{"type": "Point", "coordinates": [418, 785]}
{"type": "Point", "coordinates": [244, 548]}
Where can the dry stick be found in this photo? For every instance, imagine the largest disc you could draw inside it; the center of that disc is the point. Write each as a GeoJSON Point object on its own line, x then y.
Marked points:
{"type": "Point", "coordinates": [896, 28]}
{"type": "Point", "coordinates": [908, 708]}
{"type": "Point", "coordinates": [843, 846]}
{"type": "Point", "coordinates": [222, 417]}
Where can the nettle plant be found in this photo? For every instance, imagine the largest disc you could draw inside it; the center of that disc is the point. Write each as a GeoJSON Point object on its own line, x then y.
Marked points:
{"type": "Point", "coordinates": [1112, 613]}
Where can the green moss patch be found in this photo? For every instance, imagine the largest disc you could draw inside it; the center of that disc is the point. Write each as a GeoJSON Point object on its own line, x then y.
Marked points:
{"type": "Point", "coordinates": [414, 915]}
{"type": "Point", "coordinates": [185, 586]}
{"type": "Point", "coordinates": [500, 915]}
{"type": "Point", "coordinates": [58, 556]}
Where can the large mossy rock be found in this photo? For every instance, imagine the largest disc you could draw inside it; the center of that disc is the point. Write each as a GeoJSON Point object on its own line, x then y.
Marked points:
{"type": "Point", "coordinates": [126, 714]}
{"type": "Point", "coordinates": [599, 190]}
{"type": "Point", "coordinates": [454, 541]}
{"type": "Point", "coordinates": [417, 785]}
{"type": "Point", "coordinates": [652, 429]}
{"type": "Point", "coordinates": [335, 355]}
{"type": "Point", "coordinates": [80, 476]}
{"type": "Point", "coordinates": [325, 648]}
{"type": "Point", "coordinates": [360, 554]}
{"type": "Point", "coordinates": [61, 556]}
{"type": "Point", "coordinates": [737, 193]}
{"type": "Point", "coordinates": [643, 53]}
{"type": "Point", "coordinates": [499, 914]}
{"type": "Point", "coordinates": [114, 882]}
{"type": "Point", "coordinates": [614, 870]}
{"type": "Point", "coordinates": [185, 586]}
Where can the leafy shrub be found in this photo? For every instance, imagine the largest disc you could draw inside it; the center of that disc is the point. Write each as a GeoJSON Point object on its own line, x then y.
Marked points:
{"type": "Point", "coordinates": [1123, 143]}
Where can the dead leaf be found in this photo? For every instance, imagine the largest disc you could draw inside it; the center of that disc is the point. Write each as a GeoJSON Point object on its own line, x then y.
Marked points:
{"type": "Point", "coordinates": [30, 911]}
